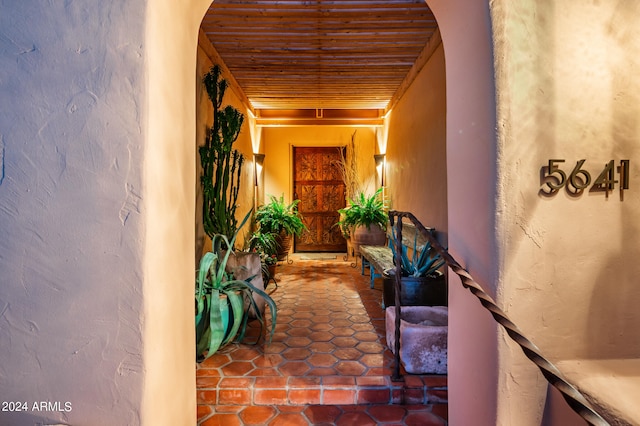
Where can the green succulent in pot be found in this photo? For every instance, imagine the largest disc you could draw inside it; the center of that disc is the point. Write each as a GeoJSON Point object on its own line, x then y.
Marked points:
{"type": "Point", "coordinates": [422, 283]}
{"type": "Point", "coordinates": [220, 298]}
{"type": "Point", "coordinates": [420, 262]}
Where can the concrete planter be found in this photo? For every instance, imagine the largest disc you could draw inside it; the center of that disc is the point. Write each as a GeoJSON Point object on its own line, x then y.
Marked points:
{"type": "Point", "coordinates": [423, 338]}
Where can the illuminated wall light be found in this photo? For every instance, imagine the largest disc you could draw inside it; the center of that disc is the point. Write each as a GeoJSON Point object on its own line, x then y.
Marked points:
{"type": "Point", "coordinates": [382, 133]}
{"type": "Point", "coordinates": [381, 161]}
{"type": "Point", "coordinates": [258, 162]}
{"type": "Point", "coordinates": [255, 131]}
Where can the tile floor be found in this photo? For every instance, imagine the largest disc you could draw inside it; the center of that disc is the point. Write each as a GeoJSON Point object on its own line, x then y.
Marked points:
{"type": "Point", "coordinates": [328, 363]}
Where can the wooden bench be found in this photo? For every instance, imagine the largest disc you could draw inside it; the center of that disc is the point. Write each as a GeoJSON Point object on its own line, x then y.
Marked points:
{"type": "Point", "coordinates": [380, 258]}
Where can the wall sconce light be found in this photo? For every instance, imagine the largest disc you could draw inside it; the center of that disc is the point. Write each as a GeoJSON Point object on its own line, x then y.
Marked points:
{"type": "Point", "coordinates": [380, 160]}
{"type": "Point", "coordinates": [258, 161]}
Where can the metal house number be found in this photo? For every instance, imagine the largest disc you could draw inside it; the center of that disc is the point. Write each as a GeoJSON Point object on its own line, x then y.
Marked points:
{"type": "Point", "coordinates": [579, 179]}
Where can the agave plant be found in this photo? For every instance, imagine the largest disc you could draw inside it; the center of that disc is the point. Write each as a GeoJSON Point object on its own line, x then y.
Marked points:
{"type": "Point", "coordinates": [220, 301]}
{"type": "Point", "coordinates": [420, 263]}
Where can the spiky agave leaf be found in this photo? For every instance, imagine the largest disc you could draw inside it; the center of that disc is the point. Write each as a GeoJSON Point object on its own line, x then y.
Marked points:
{"type": "Point", "coordinates": [272, 308]}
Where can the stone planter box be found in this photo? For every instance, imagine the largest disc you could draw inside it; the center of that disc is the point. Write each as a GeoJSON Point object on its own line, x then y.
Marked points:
{"type": "Point", "coordinates": [423, 338]}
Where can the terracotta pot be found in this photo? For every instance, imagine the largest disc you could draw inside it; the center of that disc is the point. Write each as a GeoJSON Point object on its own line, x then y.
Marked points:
{"type": "Point", "coordinates": [245, 265]}
{"type": "Point", "coordinates": [272, 271]}
{"type": "Point", "coordinates": [372, 236]}
{"type": "Point", "coordinates": [283, 242]}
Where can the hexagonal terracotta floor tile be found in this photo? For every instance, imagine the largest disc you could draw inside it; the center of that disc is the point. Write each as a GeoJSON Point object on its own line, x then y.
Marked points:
{"type": "Point", "coordinates": [296, 354]}
{"type": "Point", "coordinates": [322, 347]}
{"type": "Point", "coordinates": [350, 368]}
{"type": "Point", "coordinates": [345, 342]}
{"type": "Point", "coordinates": [322, 360]}
{"type": "Point", "coordinates": [342, 331]}
{"type": "Point", "coordinates": [257, 415]}
{"type": "Point", "coordinates": [294, 368]}
{"type": "Point", "coordinates": [297, 342]}
{"type": "Point", "coordinates": [320, 336]}
{"type": "Point", "coordinates": [329, 348]}
{"type": "Point", "coordinates": [237, 368]}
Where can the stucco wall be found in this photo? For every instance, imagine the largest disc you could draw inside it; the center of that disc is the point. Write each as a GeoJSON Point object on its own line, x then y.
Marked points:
{"type": "Point", "coordinates": [567, 90]}
{"type": "Point", "coordinates": [471, 179]}
{"type": "Point", "coordinates": [169, 177]}
{"type": "Point", "coordinates": [416, 148]}
{"type": "Point", "coordinates": [278, 143]}
{"type": "Point", "coordinates": [97, 184]}
{"type": "Point", "coordinates": [72, 211]}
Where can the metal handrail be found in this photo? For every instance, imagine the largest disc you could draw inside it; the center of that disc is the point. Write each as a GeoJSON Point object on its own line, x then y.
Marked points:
{"type": "Point", "coordinates": [574, 398]}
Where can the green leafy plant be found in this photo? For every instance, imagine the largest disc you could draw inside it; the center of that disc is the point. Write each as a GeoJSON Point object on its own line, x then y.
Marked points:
{"type": "Point", "coordinates": [220, 301]}
{"type": "Point", "coordinates": [423, 262]}
{"type": "Point", "coordinates": [277, 216]}
{"type": "Point", "coordinates": [364, 211]}
{"type": "Point", "coordinates": [221, 164]}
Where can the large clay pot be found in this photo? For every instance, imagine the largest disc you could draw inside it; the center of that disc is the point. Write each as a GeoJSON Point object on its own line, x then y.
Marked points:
{"type": "Point", "coordinates": [272, 271]}
{"type": "Point", "coordinates": [371, 236]}
{"type": "Point", "coordinates": [416, 291]}
{"type": "Point", "coordinates": [245, 265]}
{"type": "Point", "coordinates": [283, 242]}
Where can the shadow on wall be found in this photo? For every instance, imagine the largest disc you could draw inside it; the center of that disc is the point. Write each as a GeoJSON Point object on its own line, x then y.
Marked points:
{"type": "Point", "coordinates": [556, 413]}
{"type": "Point", "coordinates": [614, 315]}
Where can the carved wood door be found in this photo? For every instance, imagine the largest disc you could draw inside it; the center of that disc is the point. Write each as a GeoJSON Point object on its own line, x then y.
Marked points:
{"type": "Point", "coordinates": [318, 184]}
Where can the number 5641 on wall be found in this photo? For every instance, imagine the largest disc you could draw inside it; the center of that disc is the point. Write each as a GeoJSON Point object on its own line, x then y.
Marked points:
{"type": "Point", "coordinates": [578, 179]}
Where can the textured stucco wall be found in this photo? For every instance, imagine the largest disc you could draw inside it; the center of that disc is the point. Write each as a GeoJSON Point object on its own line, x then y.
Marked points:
{"type": "Point", "coordinates": [169, 174]}
{"type": "Point", "coordinates": [72, 224]}
{"type": "Point", "coordinates": [97, 189]}
{"type": "Point", "coordinates": [278, 143]}
{"type": "Point", "coordinates": [416, 148]}
{"type": "Point", "coordinates": [471, 179]}
{"type": "Point", "coordinates": [566, 90]}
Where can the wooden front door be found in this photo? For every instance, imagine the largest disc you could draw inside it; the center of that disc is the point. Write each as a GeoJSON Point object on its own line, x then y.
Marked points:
{"type": "Point", "coordinates": [318, 184]}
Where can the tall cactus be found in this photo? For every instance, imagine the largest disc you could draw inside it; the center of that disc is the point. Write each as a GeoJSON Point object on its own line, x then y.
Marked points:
{"type": "Point", "coordinates": [221, 164]}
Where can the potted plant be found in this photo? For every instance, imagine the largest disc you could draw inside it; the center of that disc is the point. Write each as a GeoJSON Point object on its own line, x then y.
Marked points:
{"type": "Point", "coordinates": [366, 220]}
{"type": "Point", "coordinates": [282, 220]}
{"type": "Point", "coordinates": [223, 301]}
{"type": "Point", "coordinates": [265, 245]}
{"type": "Point", "coordinates": [422, 283]}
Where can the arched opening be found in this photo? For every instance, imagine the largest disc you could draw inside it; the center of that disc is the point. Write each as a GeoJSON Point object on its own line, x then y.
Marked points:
{"type": "Point", "coordinates": [475, 120]}
{"type": "Point", "coordinates": [120, 91]}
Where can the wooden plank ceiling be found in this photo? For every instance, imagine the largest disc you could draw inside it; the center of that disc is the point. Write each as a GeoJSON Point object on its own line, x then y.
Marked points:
{"type": "Point", "coordinates": [320, 55]}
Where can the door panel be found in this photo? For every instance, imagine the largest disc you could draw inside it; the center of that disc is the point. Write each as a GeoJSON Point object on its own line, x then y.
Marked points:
{"type": "Point", "coordinates": [321, 191]}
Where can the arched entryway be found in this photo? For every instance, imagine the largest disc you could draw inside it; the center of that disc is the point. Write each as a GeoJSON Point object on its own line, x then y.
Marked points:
{"type": "Point", "coordinates": [470, 139]}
